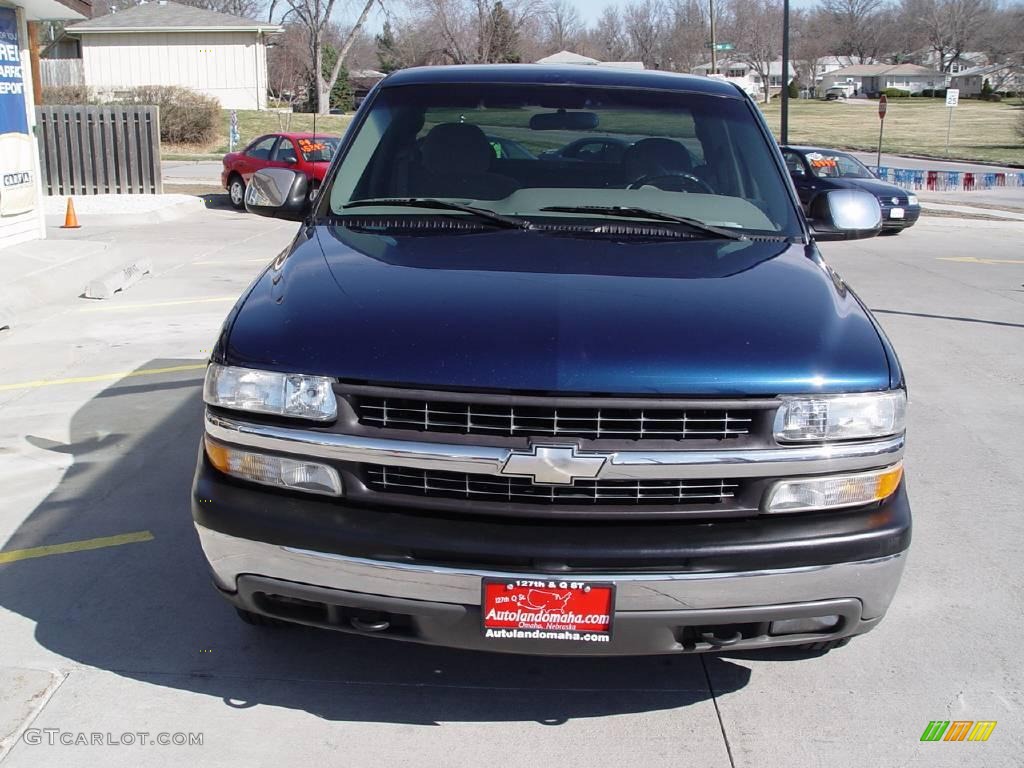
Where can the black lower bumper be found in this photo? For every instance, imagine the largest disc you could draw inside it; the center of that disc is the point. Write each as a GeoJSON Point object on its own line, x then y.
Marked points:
{"type": "Point", "coordinates": [633, 633]}
{"type": "Point", "coordinates": [332, 526]}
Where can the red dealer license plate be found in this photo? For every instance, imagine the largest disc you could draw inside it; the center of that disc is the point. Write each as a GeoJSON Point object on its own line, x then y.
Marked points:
{"type": "Point", "coordinates": [541, 609]}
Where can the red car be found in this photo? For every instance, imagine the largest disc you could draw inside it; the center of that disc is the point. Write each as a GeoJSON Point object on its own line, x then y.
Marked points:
{"type": "Point", "coordinates": [306, 153]}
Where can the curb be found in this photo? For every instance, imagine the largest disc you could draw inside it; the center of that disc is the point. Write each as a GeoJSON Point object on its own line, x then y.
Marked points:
{"type": "Point", "coordinates": [191, 204]}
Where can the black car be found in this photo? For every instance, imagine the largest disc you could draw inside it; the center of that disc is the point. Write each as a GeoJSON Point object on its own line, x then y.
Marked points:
{"type": "Point", "coordinates": [815, 170]}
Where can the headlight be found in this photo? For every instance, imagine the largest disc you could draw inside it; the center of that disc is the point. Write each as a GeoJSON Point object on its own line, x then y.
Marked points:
{"type": "Point", "coordinates": [911, 199]}
{"type": "Point", "coordinates": [841, 417]}
{"type": "Point", "coordinates": [279, 394]}
{"type": "Point", "coordinates": [278, 471]}
{"type": "Point", "coordinates": [817, 493]}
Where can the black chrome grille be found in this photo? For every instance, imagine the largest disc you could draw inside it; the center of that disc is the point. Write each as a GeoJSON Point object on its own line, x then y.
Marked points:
{"type": "Point", "coordinates": [473, 418]}
{"type": "Point", "coordinates": [461, 485]}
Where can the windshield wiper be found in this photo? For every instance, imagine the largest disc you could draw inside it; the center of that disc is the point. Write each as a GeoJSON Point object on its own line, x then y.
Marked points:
{"type": "Point", "coordinates": [646, 213]}
{"type": "Point", "coordinates": [498, 219]}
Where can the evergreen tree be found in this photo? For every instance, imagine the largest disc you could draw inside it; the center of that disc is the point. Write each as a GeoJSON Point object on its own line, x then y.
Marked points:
{"type": "Point", "coordinates": [341, 93]}
{"type": "Point", "coordinates": [387, 50]}
{"type": "Point", "coordinates": [504, 48]}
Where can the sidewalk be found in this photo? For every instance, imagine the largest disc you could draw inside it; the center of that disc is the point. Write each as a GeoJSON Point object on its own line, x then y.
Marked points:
{"type": "Point", "coordinates": [973, 210]}
{"type": "Point", "coordinates": [166, 231]}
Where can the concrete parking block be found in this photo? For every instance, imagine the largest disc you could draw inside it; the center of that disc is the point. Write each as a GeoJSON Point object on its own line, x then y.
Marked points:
{"type": "Point", "coordinates": [120, 279]}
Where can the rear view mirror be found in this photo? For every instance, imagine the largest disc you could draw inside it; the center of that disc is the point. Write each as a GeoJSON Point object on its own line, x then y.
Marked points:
{"type": "Point", "coordinates": [563, 121]}
{"type": "Point", "coordinates": [278, 192]}
{"type": "Point", "coordinates": [845, 214]}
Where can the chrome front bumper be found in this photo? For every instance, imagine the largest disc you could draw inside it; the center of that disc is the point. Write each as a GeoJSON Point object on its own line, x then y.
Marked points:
{"type": "Point", "coordinates": [620, 465]}
{"type": "Point", "coordinates": [871, 582]}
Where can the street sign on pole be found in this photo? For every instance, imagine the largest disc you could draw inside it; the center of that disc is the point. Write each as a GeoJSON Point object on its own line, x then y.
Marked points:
{"type": "Point", "coordinates": [784, 92]}
{"type": "Point", "coordinates": [883, 107]}
{"type": "Point", "coordinates": [719, 46]}
{"type": "Point", "coordinates": [952, 99]}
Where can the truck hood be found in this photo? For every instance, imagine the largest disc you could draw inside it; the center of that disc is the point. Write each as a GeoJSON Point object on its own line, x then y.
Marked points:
{"type": "Point", "coordinates": [540, 312]}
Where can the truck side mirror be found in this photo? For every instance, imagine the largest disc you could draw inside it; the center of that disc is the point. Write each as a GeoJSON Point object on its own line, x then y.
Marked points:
{"type": "Point", "coordinates": [278, 192]}
{"type": "Point", "coordinates": [845, 214]}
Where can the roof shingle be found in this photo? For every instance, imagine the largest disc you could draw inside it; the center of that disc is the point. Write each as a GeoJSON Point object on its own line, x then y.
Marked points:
{"type": "Point", "coordinates": [167, 16]}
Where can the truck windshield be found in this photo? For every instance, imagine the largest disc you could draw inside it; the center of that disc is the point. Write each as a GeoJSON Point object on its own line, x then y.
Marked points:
{"type": "Point", "coordinates": [541, 150]}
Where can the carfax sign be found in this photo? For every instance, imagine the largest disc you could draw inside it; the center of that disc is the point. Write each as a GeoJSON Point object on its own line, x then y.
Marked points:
{"type": "Point", "coordinates": [17, 147]}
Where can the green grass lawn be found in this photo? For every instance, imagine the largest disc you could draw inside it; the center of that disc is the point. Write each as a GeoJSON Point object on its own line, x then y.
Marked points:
{"type": "Point", "coordinates": [981, 130]}
{"type": "Point", "coordinates": [252, 124]}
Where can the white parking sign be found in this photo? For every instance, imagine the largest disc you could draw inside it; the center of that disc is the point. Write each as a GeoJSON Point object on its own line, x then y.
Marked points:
{"type": "Point", "coordinates": [952, 97]}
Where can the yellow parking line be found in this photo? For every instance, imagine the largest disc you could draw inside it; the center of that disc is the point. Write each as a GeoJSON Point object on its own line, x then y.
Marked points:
{"type": "Point", "coordinates": [101, 377]}
{"type": "Point", "coordinates": [115, 307]}
{"type": "Point", "coordinates": [976, 260]}
{"type": "Point", "coordinates": [75, 546]}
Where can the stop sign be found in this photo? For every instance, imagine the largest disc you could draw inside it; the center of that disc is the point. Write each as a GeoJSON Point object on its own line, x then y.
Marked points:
{"type": "Point", "coordinates": [882, 106]}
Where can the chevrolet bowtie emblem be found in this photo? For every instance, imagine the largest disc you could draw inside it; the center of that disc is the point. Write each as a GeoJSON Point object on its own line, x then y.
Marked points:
{"type": "Point", "coordinates": [553, 464]}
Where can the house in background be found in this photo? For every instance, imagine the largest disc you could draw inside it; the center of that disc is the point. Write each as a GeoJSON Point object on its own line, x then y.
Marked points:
{"type": "Point", "coordinates": [568, 57]}
{"type": "Point", "coordinates": [165, 43]}
{"type": "Point", "coordinates": [1002, 77]}
{"type": "Point", "coordinates": [746, 77]}
{"type": "Point", "coordinates": [871, 79]}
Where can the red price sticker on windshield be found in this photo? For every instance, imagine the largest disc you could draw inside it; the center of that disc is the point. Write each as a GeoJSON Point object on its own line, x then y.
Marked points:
{"type": "Point", "coordinates": [547, 610]}
{"type": "Point", "coordinates": [308, 147]}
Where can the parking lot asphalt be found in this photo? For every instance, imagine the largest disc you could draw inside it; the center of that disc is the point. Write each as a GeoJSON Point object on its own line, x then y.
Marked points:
{"type": "Point", "coordinates": [109, 626]}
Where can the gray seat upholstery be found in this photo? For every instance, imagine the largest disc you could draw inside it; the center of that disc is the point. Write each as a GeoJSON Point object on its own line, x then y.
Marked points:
{"type": "Point", "coordinates": [455, 162]}
{"type": "Point", "coordinates": [656, 157]}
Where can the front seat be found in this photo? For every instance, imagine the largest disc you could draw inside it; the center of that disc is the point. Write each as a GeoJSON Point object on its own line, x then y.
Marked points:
{"type": "Point", "coordinates": [655, 157]}
{"type": "Point", "coordinates": [455, 162]}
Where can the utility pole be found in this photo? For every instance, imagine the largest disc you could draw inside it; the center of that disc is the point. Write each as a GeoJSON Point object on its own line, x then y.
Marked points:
{"type": "Point", "coordinates": [784, 126]}
{"type": "Point", "coordinates": [714, 56]}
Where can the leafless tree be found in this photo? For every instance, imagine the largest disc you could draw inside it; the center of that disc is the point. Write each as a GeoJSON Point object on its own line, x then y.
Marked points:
{"type": "Point", "coordinates": [756, 29]}
{"type": "Point", "coordinates": [810, 42]}
{"type": "Point", "coordinates": [315, 19]}
{"type": "Point", "coordinates": [949, 27]}
{"type": "Point", "coordinates": [561, 27]}
{"type": "Point", "coordinates": [685, 32]}
{"type": "Point", "coordinates": [643, 22]}
{"type": "Point", "coordinates": [607, 39]}
{"type": "Point", "coordinates": [288, 66]}
{"type": "Point", "coordinates": [858, 28]}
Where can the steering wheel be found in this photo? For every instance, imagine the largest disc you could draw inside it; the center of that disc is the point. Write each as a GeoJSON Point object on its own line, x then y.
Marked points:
{"type": "Point", "coordinates": [683, 180]}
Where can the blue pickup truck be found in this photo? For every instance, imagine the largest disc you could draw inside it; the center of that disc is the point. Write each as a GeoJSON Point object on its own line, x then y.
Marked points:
{"type": "Point", "coordinates": [526, 403]}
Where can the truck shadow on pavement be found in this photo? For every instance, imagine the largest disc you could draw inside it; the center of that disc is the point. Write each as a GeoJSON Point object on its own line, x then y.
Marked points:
{"type": "Point", "coordinates": [146, 610]}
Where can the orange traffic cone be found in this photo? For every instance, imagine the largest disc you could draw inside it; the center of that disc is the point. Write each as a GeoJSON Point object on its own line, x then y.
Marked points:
{"type": "Point", "coordinates": [70, 219]}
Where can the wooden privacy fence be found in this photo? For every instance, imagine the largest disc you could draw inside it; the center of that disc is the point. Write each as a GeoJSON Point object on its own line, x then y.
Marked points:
{"type": "Point", "coordinates": [99, 150]}
{"type": "Point", "coordinates": [59, 72]}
